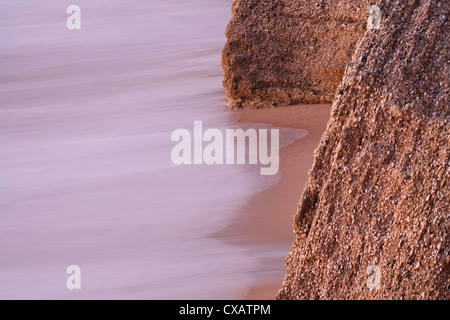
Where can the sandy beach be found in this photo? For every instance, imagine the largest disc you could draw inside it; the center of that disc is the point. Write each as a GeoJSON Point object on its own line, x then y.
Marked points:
{"type": "Point", "coordinates": [267, 218]}
{"type": "Point", "coordinates": [134, 167]}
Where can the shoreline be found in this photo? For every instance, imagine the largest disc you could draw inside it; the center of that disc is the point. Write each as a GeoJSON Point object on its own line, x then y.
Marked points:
{"type": "Point", "coordinates": [256, 224]}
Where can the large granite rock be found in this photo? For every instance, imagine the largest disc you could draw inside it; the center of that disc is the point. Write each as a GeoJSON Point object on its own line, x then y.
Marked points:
{"type": "Point", "coordinates": [284, 52]}
{"type": "Point", "coordinates": [378, 193]}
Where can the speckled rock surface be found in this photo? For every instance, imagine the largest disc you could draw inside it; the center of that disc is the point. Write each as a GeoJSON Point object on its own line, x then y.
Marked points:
{"type": "Point", "coordinates": [378, 193]}
{"type": "Point", "coordinates": [284, 52]}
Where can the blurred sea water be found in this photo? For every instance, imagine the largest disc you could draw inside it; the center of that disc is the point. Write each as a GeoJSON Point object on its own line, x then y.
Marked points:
{"type": "Point", "coordinates": [85, 171]}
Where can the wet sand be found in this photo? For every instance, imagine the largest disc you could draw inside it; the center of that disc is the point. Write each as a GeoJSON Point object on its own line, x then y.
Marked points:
{"type": "Point", "coordinates": [267, 218]}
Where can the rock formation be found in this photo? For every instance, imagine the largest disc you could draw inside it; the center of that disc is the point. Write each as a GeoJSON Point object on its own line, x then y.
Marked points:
{"type": "Point", "coordinates": [378, 193]}
{"type": "Point", "coordinates": [284, 52]}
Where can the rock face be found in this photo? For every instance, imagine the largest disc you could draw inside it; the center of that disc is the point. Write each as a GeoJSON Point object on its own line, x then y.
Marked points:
{"type": "Point", "coordinates": [378, 193]}
{"type": "Point", "coordinates": [284, 52]}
